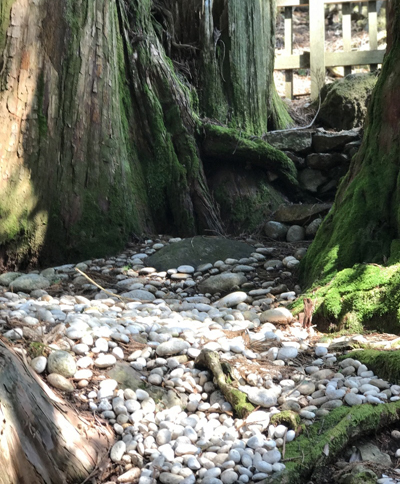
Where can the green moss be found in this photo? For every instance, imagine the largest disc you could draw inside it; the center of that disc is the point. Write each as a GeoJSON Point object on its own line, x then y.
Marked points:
{"type": "Point", "coordinates": [334, 432]}
{"type": "Point", "coordinates": [287, 417]}
{"type": "Point", "coordinates": [365, 296]}
{"type": "Point", "coordinates": [365, 218]}
{"type": "Point", "coordinates": [385, 364]}
{"type": "Point", "coordinates": [221, 143]}
{"type": "Point", "coordinates": [241, 406]}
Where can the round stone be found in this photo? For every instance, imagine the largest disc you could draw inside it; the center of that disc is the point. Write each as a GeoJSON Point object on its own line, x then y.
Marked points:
{"type": "Point", "coordinates": [59, 382]}
{"type": "Point", "coordinates": [105, 361]}
{"type": "Point", "coordinates": [172, 347]}
{"type": "Point", "coordinates": [39, 364]}
{"type": "Point", "coordinates": [62, 363]}
{"type": "Point", "coordinates": [117, 451]}
{"type": "Point", "coordinates": [321, 351]}
{"type": "Point", "coordinates": [287, 353]}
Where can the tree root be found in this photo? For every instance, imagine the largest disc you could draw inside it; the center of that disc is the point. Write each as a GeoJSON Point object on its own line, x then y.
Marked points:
{"type": "Point", "coordinates": [210, 360]}
{"type": "Point", "coordinates": [324, 440]}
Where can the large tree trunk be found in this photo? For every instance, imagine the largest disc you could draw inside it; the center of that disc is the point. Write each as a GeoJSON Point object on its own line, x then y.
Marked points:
{"type": "Point", "coordinates": [43, 440]}
{"type": "Point", "coordinates": [364, 223]}
{"type": "Point", "coordinates": [226, 49]}
{"type": "Point", "coordinates": [97, 124]}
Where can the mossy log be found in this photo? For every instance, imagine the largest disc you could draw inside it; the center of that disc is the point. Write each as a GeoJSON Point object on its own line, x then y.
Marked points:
{"type": "Point", "coordinates": [240, 404]}
{"type": "Point", "coordinates": [321, 442]}
{"type": "Point", "coordinates": [42, 439]}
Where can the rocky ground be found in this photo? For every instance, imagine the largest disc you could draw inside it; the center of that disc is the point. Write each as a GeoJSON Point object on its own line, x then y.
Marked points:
{"type": "Point", "coordinates": [120, 338]}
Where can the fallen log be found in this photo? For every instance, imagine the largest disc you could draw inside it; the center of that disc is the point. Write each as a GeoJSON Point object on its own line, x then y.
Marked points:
{"type": "Point", "coordinates": [320, 443]}
{"type": "Point", "coordinates": [238, 399]}
{"type": "Point", "coordinates": [42, 439]}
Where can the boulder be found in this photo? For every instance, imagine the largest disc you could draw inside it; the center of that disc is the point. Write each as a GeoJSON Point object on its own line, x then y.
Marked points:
{"type": "Point", "coordinates": [311, 180]}
{"type": "Point", "coordinates": [344, 102]}
{"type": "Point", "coordinates": [198, 250]}
{"type": "Point", "coordinates": [301, 214]}
{"type": "Point", "coordinates": [127, 377]}
{"type": "Point", "coordinates": [295, 233]}
{"type": "Point", "coordinates": [8, 277]}
{"type": "Point", "coordinates": [222, 283]}
{"type": "Point", "coordinates": [245, 197]}
{"type": "Point", "coordinates": [29, 282]}
{"type": "Point", "coordinates": [326, 161]}
{"type": "Point", "coordinates": [313, 227]}
{"type": "Point", "coordinates": [275, 230]}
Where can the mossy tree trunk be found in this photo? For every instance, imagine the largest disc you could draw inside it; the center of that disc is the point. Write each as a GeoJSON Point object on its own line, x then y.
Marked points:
{"type": "Point", "coordinates": [97, 124]}
{"type": "Point", "coordinates": [226, 49]}
{"type": "Point", "coordinates": [364, 223]}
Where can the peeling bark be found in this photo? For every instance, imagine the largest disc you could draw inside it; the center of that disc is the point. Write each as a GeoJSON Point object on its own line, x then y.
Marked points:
{"type": "Point", "coordinates": [42, 440]}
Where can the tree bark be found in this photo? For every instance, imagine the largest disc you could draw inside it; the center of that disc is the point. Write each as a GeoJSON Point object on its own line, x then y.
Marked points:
{"type": "Point", "coordinates": [43, 440]}
{"type": "Point", "coordinates": [364, 223]}
{"type": "Point", "coordinates": [227, 48]}
{"type": "Point", "coordinates": [97, 125]}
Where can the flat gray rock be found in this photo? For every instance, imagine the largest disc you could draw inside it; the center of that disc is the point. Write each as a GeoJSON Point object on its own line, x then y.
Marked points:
{"type": "Point", "coordinates": [29, 282]}
{"type": "Point", "coordinates": [222, 282]}
{"type": "Point", "coordinates": [8, 278]}
{"type": "Point", "coordinates": [139, 294]}
{"type": "Point", "coordinates": [370, 452]}
{"type": "Point", "coordinates": [198, 250]}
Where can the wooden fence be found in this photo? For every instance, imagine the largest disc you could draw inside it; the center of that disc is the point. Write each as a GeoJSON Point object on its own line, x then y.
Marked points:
{"type": "Point", "coordinates": [318, 59]}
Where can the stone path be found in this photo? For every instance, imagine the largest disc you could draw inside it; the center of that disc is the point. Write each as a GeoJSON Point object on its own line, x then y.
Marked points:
{"type": "Point", "coordinates": [127, 354]}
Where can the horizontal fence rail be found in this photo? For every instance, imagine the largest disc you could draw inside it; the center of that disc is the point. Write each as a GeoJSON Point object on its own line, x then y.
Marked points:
{"type": "Point", "coordinates": [317, 60]}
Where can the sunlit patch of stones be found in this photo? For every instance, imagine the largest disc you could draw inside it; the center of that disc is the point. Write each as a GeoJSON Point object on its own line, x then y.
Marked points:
{"type": "Point", "coordinates": [199, 440]}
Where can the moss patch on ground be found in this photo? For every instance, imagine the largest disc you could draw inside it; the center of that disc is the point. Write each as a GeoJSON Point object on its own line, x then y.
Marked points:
{"type": "Point", "coordinates": [385, 364]}
{"type": "Point", "coordinates": [363, 297]}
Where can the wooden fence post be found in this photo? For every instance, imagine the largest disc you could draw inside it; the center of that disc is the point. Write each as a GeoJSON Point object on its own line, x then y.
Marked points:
{"type": "Point", "coordinates": [289, 50]}
{"type": "Point", "coordinates": [372, 30]}
{"type": "Point", "coordinates": [317, 46]}
{"type": "Point", "coordinates": [346, 24]}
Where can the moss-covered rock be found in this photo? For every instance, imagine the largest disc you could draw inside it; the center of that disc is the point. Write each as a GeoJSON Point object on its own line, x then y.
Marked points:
{"type": "Point", "coordinates": [198, 250]}
{"type": "Point", "coordinates": [344, 102]}
{"type": "Point", "coordinates": [245, 197]}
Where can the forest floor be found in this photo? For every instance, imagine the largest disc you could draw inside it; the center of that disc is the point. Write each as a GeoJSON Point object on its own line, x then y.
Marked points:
{"type": "Point", "coordinates": [174, 305]}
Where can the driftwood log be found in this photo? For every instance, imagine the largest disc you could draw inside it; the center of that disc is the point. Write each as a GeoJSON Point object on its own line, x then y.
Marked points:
{"type": "Point", "coordinates": [42, 439]}
{"type": "Point", "coordinates": [238, 399]}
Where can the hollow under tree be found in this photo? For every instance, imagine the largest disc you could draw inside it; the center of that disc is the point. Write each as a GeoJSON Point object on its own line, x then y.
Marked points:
{"type": "Point", "coordinates": [101, 104]}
